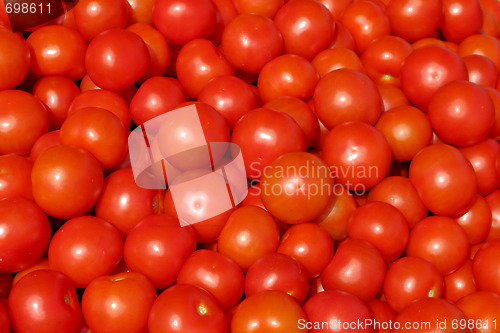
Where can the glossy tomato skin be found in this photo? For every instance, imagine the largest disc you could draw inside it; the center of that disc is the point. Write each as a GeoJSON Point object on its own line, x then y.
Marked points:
{"type": "Point", "coordinates": [95, 16]}
{"type": "Point", "coordinates": [15, 176]}
{"type": "Point", "coordinates": [307, 27]}
{"type": "Point", "coordinates": [44, 301]}
{"type": "Point", "coordinates": [358, 155]}
{"type": "Point", "coordinates": [216, 273]}
{"type": "Point", "coordinates": [271, 311]}
{"type": "Point", "coordinates": [431, 171]}
{"type": "Point", "coordinates": [181, 21]}
{"type": "Point", "coordinates": [112, 51]}
{"type": "Point", "coordinates": [118, 303]}
{"type": "Point", "coordinates": [427, 69]}
{"type": "Point", "coordinates": [186, 308]}
{"type": "Point", "coordinates": [392, 96]}
{"type": "Point", "coordinates": [44, 142]}
{"type": "Point", "coordinates": [483, 310]}
{"type": "Point", "coordinates": [162, 261]}
{"type": "Point", "coordinates": [140, 11]}
{"type": "Point", "coordinates": [481, 44]}
{"type": "Point", "coordinates": [481, 70]}
{"type": "Point", "coordinates": [476, 222]}
{"type": "Point", "coordinates": [71, 175]}
{"type": "Point", "coordinates": [461, 19]}
{"type": "Point", "coordinates": [85, 248]}
{"type": "Point", "coordinates": [485, 267]}
{"type": "Point", "coordinates": [24, 119]}
{"type": "Point", "coordinates": [460, 283]}
{"type": "Point", "coordinates": [26, 233]}
{"type": "Point", "coordinates": [334, 58]}
{"type": "Point", "coordinates": [15, 59]}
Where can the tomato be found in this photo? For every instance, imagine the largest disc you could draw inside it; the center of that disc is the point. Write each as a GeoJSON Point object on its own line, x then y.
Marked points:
{"type": "Point", "coordinates": [407, 130]}
{"type": "Point", "coordinates": [461, 18]}
{"type": "Point", "coordinates": [118, 303]}
{"type": "Point", "coordinates": [427, 69]}
{"type": "Point", "coordinates": [262, 7]}
{"type": "Point", "coordinates": [25, 233]}
{"type": "Point", "coordinates": [392, 96]}
{"type": "Point", "coordinates": [358, 155]}
{"type": "Point", "coordinates": [44, 301]}
{"type": "Point", "coordinates": [367, 22]}
{"type": "Point", "coordinates": [198, 62]}
{"type": "Point", "coordinates": [23, 118]}
{"type": "Point", "coordinates": [14, 60]}
{"type": "Point", "coordinates": [246, 36]}
{"type": "Point", "coordinates": [307, 27]}
{"type": "Point", "coordinates": [337, 311]}
{"type": "Point", "coordinates": [157, 247]}
{"type": "Point", "coordinates": [15, 176]}
{"type": "Point", "coordinates": [186, 308]}
{"type": "Point", "coordinates": [44, 142]}
{"type": "Point", "coordinates": [216, 273]}
{"type": "Point", "coordinates": [460, 283]}
{"type": "Point", "coordinates": [483, 310]}
{"type": "Point", "coordinates": [270, 311]}
{"type": "Point", "coordinates": [95, 16]}
{"type": "Point", "coordinates": [383, 314]}
{"type": "Point", "coordinates": [336, 7]}
{"type": "Point", "coordinates": [461, 105]}
{"type": "Point", "coordinates": [481, 70]}
{"type": "Point", "coordinates": [42, 263]}
{"type": "Point", "coordinates": [485, 267]}
{"type": "Point", "coordinates": [140, 11]}
{"type": "Point", "coordinates": [381, 224]}
{"type": "Point", "coordinates": [431, 170]}
{"type": "Point", "coordinates": [493, 200]}
{"type": "Point", "coordinates": [431, 315]}
{"type": "Point", "coordinates": [476, 222]}
{"type": "Point", "coordinates": [346, 95]}
{"type": "Point", "coordinates": [249, 233]}
{"type": "Point", "coordinates": [335, 218]}
{"type": "Point", "coordinates": [85, 248]}
{"type": "Point", "coordinates": [331, 59]}
{"type": "Point", "coordinates": [414, 19]}
{"type": "Point", "coordinates": [483, 45]}
{"type": "Point", "coordinates": [127, 93]}
{"type": "Point", "coordinates": [263, 135]}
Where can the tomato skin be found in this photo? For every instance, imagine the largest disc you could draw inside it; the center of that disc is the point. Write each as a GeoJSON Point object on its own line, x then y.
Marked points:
{"type": "Point", "coordinates": [85, 248]}
{"type": "Point", "coordinates": [383, 313]}
{"type": "Point", "coordinates": [186, 308]}
{"type": "Point", "coordinates": [140, 11]}
{"type": "Point", "coordinates": [44, 142]}
{"type": "Point", "coordinates": [335, 218]}
{"type": "Point", "coordinates": [26, 233]}
{"type": "Point", "coordinates": [95, 16]}
{"type": "Point", "coordinates": [409, 279]}
{"type": "Point", "coordinates": [15, 63]}
{"type": "Point", "coordinates": [44, 301]}
{"type": "Point", "coordinates": [346, 95]}
{"type": "Point", "coordinates": [110, 52]}
{"type": "Point", "coordinates": [157, 247]}
{"type": "Point", "coordinates": [476, 222]}
{"type": "Point", "coordinates": [392, 96]}
{"type": "Point", "coordinates": [495, 97]}
{"type": "Point", "coordinates": [483, 308]}
{"type": "Point", "coordinates": [181, 21]}
{"type": "Point", "coordinates": [262, 7]}
{"type": "Point", "coordinates": [460, 283]}
{"type": "Point", "coordinates": [271, 311]}
{"type": "Point", "coordinates": [485, 266]}
{"type": "Point", "coordinates": [483, 45]}
{"type": "Point", "coordinates": [335, 58]}
{"type": "Point", "coordinates": [307, 27]}
{"type": "Point", "coordinates": [15, 176]}
{"type": "Point", "coordinates": [118, 303]}
{"type": "Point", "coordinates": [481, 70]}
{"type": "Point", "coordinates": [461, 18]}
{"type": "Point", "coordinates": [493, 200]}
{"type": "Point", "coordinates": [216, 273]}
{"type": "Point", "coordinates": [71, 175]}
{"type": "Point", "coordinates": [430, 171]}
{"type": "Point", "coordinates": [24, 119]}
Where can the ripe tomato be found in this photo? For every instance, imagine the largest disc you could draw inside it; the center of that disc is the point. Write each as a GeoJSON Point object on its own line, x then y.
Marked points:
{"type": "Point", "coordinates": [95, 16]}
{"type": "Point", "coordinates": [44, 301]}
{"type": "Point", "coordinates": [481, 70]}
{"type": "Point", "coordinates": [461, 19]}
{"type": "Point", "coordinates": [25, 233]}
{"type": "Point", "coordinates": [331, 59]}
{"type": "Point", "coordinates": [260, 7]}
{"type": "Point", "coordinates": [118, 303]}
{"type": "Point", "coordinates": [44, 142]}
{"type": "Point", "coordinates": [14, 59]}
{"type": "Point", "coordinates": [476, 222]}
{"type": "Point", "coordinates": [42, 263]}
{"type": "Point", "coordinates": [383, 314]}
{"type": "Point", "coordinates": [15, 176]}
{"type": "Point", "coordinates": [485, 267]}
{"type": "Point", "coordinates": [270, 311]}
{"type": "Point", "coordinates": [483, 45]}
{"type": "Point", "coordinates": [216, 273]}
{"type": "Point", "coordinates": [335, 218]}
{"type": "Point", "coordinates": [140, 11]}
{"type": "Point", "coordinates": [186, 308]}
{"type": "Point", "coordinates": [482, 308]}
{"type": "Point", "coordinates": [460, 283]}
{"type": "Point", "coordinates": [392, 96]}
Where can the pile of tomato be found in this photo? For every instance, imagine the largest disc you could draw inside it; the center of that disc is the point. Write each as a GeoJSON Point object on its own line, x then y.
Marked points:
{"type": "Point", "coordinates": [369, 131]}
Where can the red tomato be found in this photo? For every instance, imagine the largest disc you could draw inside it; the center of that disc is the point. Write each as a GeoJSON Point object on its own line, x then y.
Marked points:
{"type": "Point", "coordinates": [44, 142]}
{"type": "Point", "coordinates": [25, 233]}
{"type": "Point", "coordinates": [14, 59]}
{"type": "Point", "coordinates": [157, 247]}
{"type": "Point", "coordinates": [269, 311]}
{"type": "Point", "coordinates": [15, 176]}
{"type": "Point", "coordinates": [493, 200]}
{"type": "Point", "coordinates": [483, 45]}
{"type": "Point", "coordinates": [44, 301]}
{"type": "Point", "coordinates": [460, 283]}
{"type": "Point", "coordinates": [481, 70]}
{"type": "Point", "coordinates": [337, 311]}
{"type": "Point", "coordinates": [42, 263]}
{"type": "Point", "coordinates": [414, 19]}
{"type": "Point", "coordinates": [112, 51]}
{"type": "Point", "coordinates": [260, 7]}
{"type": "Point", "coordinates": [246, 36]}
{"type": "Point", "coordinates": [367, 22]}
{"type": "Point", "coordinates": [384, 315]}
{"type": "Point", "coordinates": [431, 172]}
{"type": "Point", "coordinates": [461, 113]}
{"type": "Point", "coordinates": [495, 97]}
{"type": "Point", "coordinates": [216, 273]}
{"type": "Point", "coordinates": [127, 93]}
{"type": "Point", "coordinates": [427, 69]}
{"type": "Point", "coordinates": [140, 11]}
{"type": "Point", "coordinates": [482, 309]}
{"type": "Point", "coordinates": [381, 224]}
{"type": "Point", "coordinates": [263, 135]}
{"type": "Point", "coordinates": [358, 155]}
{"type": "Point", "coordinates": [346, 95]}
{"type": "Point", "coordinates": [476, 222]}
{"type": "Point", "coordinates": [392, 96]}
{"type": "Point", "coordinates": [485, 267]}
{"type": "Point", "coordinates": [24, 119]}
{"type": "Point", "coordinates": [357, 267]}
{"type": "Point", "coordinates": [461, 18]}
{"type": "Point", "coordinates": [329, 60]}
{"type": "Point", "coordinates": [186, 308]}
{"type": "Point", "coordinates": [118, 303]}
{"type": "Point", "coordinates": [66, 181]}
{"type": "Point", "coordinates": [409, 279]}
{"type": "Point", "coordinates": [307, 27]}
{"type": "Point", "coordinates": [95, 16]}
{"type": "Point", "coordinates": [85, 248]}
{"type": "Point", "coordinates": [249, 233]}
